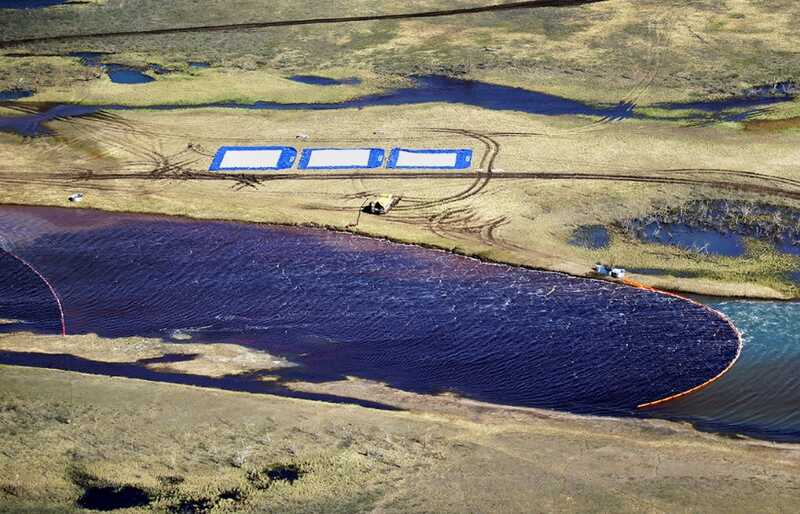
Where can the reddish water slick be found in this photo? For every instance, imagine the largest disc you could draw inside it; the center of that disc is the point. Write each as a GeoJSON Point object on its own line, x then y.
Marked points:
{"type": "Point", "coordinates": [416, 319]}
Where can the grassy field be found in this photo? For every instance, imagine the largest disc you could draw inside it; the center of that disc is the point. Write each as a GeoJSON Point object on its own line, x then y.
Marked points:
{"type": "Point", "coordinates": [550, 176]}
{"type": "Point", "coordinates": [67, 436]}
{"type": "Point", "coordinates": [186, 448]}
{"type": "Point", "coordinates": [648, 49]}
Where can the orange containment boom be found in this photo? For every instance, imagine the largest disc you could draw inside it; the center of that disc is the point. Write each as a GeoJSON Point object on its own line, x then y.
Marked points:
{"type": "Point", "coordinates": [705, 384]}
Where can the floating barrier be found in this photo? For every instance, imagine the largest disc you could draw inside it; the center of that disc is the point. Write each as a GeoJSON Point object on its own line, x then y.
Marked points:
{"type": "Point", "coordinates": [239, 158]}
{"type": "Point", "coordinates": [430, 159]}
{"type": "Point", "coordinates": [340, 158]}
{"type": "Point", "coordinates": [46, 282]}
{"type": "Point", "coordinates": [713, 379]}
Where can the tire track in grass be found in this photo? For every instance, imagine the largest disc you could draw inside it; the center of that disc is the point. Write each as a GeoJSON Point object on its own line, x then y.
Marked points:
{"type": "Point", "coordinates": [481, 179]}
{"type": "Point", "coordinates": [77, 175]}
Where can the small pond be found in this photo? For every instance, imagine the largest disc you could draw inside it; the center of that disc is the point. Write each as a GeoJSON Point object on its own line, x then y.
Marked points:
{"type": "Point", "coordinates": [14, 94]}
{"type": "Point", "coordinates": [108, 498]}
{"type": "Point", "coordinates": [592, 237]}
{"type": "Point", "coordinates": [790, 246]}
{"type": "Point", "coordinates": [120, 74]}
{"type": "Point", "coordinates": [693, 239]}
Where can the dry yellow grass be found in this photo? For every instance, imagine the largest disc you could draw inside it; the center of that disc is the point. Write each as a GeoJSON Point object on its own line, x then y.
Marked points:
{"type": "Point", "coordinates": [183, 444]}
{"type": "Point", "coordinates": [648, 50]}
{"type": "Point", "coordinates": [526, 216]}
{"type": "Point", "coordinates": [206, 86]}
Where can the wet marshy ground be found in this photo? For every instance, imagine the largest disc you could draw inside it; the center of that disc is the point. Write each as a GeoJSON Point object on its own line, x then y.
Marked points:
{"type": "Point", "coordinates": [436, 88]}
{"type": "Point", "coordinates": [720, 227]}
{"type": "Point", "coordinates": [591, 237]}
{"type": "Point", "coordinates": [14, 94]}
{"type": "Point", "coordinates": [778, 89]}
{"type": "Point", "coordinates": [697, 240]}
{"type": "Point", "coordinates": [113, 498]}
{"type": "Point", "coordinates": [35, 124]}
{"type": "Point", "coordinates": [316, 80]}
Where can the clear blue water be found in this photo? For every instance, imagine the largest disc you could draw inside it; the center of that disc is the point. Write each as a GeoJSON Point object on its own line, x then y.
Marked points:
{"type": "Point", "coordinates": [126, 75]}
{"type": "Point", "coordinates": [199, 64]}
{"type": "Point", "coordinates": [760, 396]}
{"type": "Point", "coordinates": [14, 94]}
{"type": "Point", "coordinates": [694, 239]}
{"type": "Point", "coordinates": [592, 237]}
{"type": "Point", "coordinates": [339, 305]}
{"type": "Point", "coordinates": [316, 80]}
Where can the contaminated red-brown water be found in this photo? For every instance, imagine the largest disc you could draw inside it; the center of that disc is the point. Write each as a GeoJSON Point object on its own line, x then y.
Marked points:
{"type": "Point", "coordinates": [340, 305]}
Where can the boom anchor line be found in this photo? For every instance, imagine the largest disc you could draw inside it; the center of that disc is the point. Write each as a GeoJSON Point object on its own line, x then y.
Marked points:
{"type": "Point", "coordinates": [52, 289]}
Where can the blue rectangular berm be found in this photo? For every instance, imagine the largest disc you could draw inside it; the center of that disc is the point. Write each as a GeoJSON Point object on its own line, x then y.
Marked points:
{"type": "Point", "coordinates": [454, 159]}
{"type": "Point", "coordinates": [341, 158]}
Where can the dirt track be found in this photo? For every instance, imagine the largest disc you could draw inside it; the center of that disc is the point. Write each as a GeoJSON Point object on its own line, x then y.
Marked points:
{"type": "Point", "coordinates": [555, 175]}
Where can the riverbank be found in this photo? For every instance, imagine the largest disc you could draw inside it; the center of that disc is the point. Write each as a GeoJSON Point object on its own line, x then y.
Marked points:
{"type": "Point", "coordinates": [195, 446]}
{"type": "Point", "coordinates": [542, 177]}
{"type": "Point", "coordinates": [549, 177]}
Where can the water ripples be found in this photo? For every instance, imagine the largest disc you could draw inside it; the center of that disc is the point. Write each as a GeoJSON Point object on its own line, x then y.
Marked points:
{"type": "Point", "coordinates": [339, 305]}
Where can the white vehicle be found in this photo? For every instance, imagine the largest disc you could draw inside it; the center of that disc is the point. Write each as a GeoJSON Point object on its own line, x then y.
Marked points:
{"type": "Point", "coordinates": [617, 273]}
